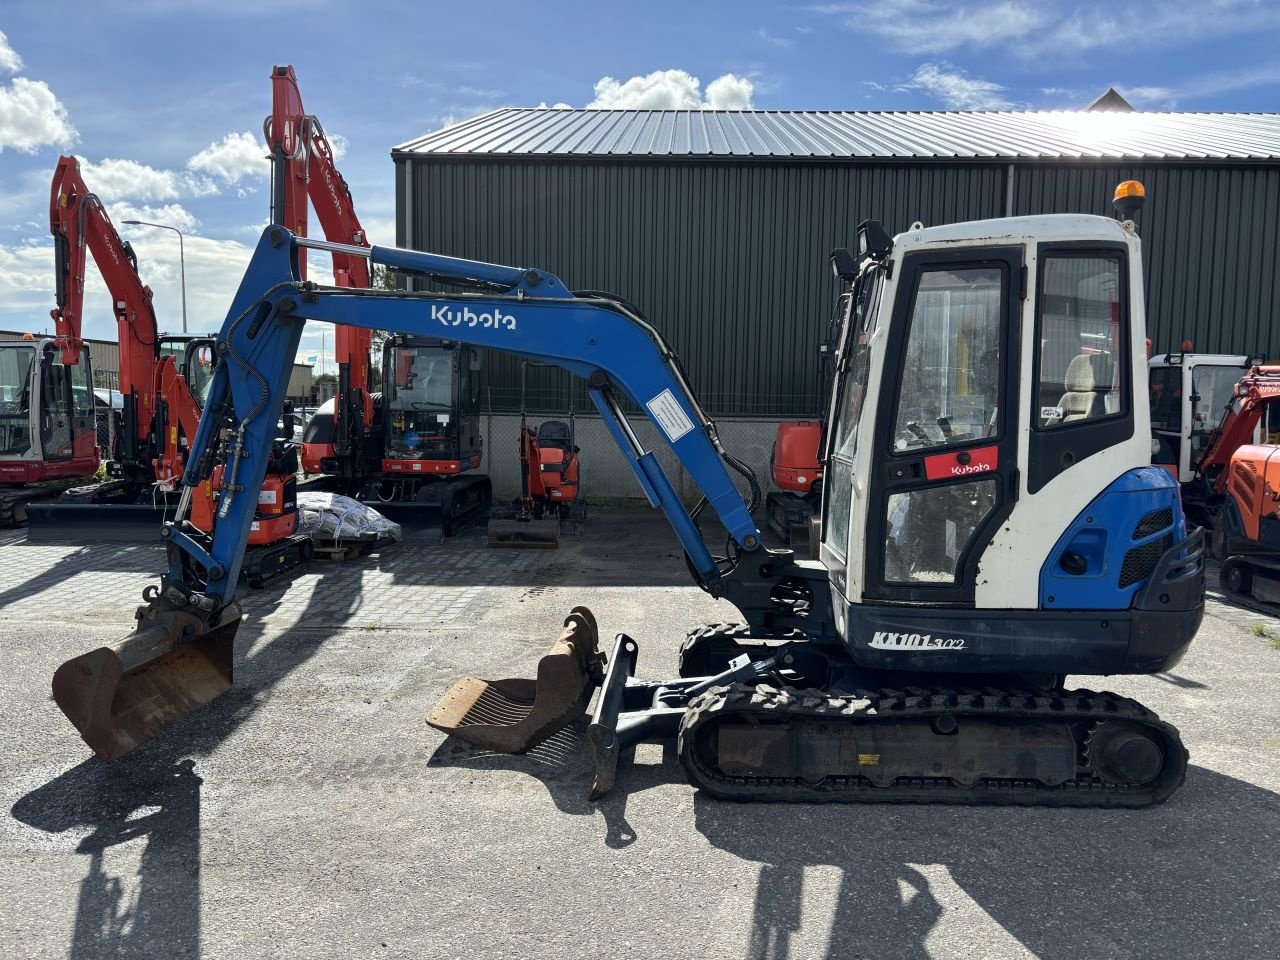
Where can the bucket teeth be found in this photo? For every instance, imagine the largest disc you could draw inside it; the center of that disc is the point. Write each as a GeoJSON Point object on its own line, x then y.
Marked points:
{"type": "Point", "coordinates": [514, 715]}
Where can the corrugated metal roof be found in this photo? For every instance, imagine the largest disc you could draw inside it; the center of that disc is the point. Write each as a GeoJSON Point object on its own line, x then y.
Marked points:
{"type": "Point", "coordinates": [822, 135]}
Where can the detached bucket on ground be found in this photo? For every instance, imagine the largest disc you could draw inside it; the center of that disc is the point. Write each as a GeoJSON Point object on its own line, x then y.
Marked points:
{"type": "Point", "coordinates": [515, 715]}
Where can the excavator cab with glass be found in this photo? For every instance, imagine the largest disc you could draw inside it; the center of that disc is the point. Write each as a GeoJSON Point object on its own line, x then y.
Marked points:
{"type": "Point", "coordinates": [48, 425]}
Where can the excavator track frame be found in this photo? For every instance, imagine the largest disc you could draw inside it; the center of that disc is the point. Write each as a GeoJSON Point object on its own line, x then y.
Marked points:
{"type": "Point", "coordinates": [761, 705]}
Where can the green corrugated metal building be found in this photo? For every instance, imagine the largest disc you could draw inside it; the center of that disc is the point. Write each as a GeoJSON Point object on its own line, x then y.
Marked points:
{"type": "Point", "coordinates": [717, 224]}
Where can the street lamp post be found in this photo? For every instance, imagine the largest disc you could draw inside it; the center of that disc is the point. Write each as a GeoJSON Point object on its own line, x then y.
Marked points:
{"type": "Point", "coordinates": [182, 261]}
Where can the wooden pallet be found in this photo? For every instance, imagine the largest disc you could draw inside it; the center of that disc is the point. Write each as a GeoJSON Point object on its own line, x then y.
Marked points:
{"type": "Point", "coordinates": [348, 547]}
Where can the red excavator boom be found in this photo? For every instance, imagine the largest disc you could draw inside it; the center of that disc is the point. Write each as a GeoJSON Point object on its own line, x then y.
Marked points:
{"type": "Point", "coordinates": [303, 167]}
{"type": "Point", "coordinates": [80, 225]}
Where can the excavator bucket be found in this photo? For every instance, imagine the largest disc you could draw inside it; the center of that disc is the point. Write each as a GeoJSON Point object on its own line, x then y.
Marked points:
{"type": "Point", "coordinates": [514, 715]}
{"type": "Point", "coordinates": [527, 533]}
{"type": "Point", "coordinates": [121, 695]}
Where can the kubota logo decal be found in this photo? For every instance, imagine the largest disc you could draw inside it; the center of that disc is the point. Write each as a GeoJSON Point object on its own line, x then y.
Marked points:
{"type": "Point", "coordinates": [453, 317]}
{"type": "Point", "coordinates": [885, 640]}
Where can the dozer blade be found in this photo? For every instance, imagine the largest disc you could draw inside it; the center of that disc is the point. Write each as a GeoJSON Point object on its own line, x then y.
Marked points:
{"type": "Point", "coordinates": [121, 695]}
{"type": "Point", "coordinates": [514, 715]}
{"type": "Point", "coordinates": [528, 534]}
{"type": "Point", "coordinates": [94, 523]}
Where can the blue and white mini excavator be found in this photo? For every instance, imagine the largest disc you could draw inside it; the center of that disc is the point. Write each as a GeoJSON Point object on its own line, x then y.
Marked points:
{"type": "Point", "coordinates": [990, 524]}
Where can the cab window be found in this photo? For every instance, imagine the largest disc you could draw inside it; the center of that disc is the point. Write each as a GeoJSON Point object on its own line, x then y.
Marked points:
{"type": "Point", "coordinates": [1081, 333]}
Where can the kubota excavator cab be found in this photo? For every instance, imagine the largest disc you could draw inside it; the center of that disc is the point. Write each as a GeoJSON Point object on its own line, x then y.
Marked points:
{"type": "Point", "coordinates": [48, 424]}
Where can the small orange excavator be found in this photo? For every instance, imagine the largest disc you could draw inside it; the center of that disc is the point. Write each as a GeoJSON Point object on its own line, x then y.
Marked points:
{"type": "Point", "coordinates": [549, 484]}
{"type": "Point", "coordinates": [1244, 483]}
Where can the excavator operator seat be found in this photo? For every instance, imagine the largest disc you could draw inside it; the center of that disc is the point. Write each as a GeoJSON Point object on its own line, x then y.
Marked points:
{"type": "Point", "coordinates": [1081, 401]}
{"type": "Point", "coordinates": [554, 433]}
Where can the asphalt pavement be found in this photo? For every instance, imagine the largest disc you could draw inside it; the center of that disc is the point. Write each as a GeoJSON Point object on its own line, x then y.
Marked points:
{"type": "Point", "coordinates": [311, 812]}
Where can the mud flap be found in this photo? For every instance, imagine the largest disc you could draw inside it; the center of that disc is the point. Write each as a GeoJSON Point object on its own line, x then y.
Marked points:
{"type": "Point", "coordinates": [527, 534]}
{"type": "Point", "coordinates": [514, 715]}
{"type": "Point", "coordinates": [121, 695]}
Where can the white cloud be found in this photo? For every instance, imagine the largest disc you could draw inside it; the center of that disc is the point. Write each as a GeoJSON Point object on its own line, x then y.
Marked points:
{"type": "Point", "coordinates": [114, 179]}
{"type": "Point", "coordinates": [933, 26]}
{"type": "Point", "coordinates": [955, 89]}
{"type": "Point", "coordinates": [10, 62]}
{"type": "Point", "coordinates": [338, 144]}
{"type": "Point", "coordinates": [239, 156]}
{"type": "Point", "coordinates": [729, 92]}
{"type": "Point", "coordinates": [32, 117]}
{"type": "Point", "coordinates": [773, 40]}
{"type": "Point", "coordinates": [171, 214]}
{"type": "Point", "coordinates": [26, 282]}
{"type": "Point", "coordinates": [672, 90]}
{"type": "Point", "coordinates": [1150, 97]}
{"type": "Point", "coordinates": [213, 270]}
{"type": "Point", "coordinates": [1031, 29]}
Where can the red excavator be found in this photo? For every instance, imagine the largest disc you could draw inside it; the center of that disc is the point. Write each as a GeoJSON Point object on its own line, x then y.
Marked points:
{"type": "Point", "coordinates": [411, 458]}
{"type": "Point", "coordinates": [162, 382]}
{"type": "Point", "coordinates": [1205, 496]}
{"type": "Point", "coordinates": [549, 483]}
{"type": "Point", "coordinates": [1237, 486]}
{"type": "Point", "coordinates": [48, 437]}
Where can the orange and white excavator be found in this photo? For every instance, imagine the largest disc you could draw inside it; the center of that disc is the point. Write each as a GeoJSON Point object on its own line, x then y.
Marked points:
{"type": "Point", "coordinates": [163, 379]}
{"type": "Point", "coordinates": [159, 409]}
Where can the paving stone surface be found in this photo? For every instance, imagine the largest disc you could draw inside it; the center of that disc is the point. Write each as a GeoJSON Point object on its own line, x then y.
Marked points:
{"type": "Point", "coordinates": [310, 812]}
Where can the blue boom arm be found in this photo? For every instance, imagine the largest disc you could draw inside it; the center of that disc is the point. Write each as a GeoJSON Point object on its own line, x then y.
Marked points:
{"type": "Point", "coordinates": [525, 312]}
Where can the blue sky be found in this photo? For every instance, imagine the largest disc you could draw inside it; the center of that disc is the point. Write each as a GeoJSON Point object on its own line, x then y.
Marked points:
{"type": "Point", "coordinates": [164, 99]}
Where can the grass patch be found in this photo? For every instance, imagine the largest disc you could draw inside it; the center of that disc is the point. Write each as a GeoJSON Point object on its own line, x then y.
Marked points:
{"type": "Point", "coordinates": [1264, 631]}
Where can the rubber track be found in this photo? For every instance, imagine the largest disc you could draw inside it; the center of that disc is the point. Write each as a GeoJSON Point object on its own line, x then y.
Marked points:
{"type": "Point", "coordinates": [727, 639]}
{"type": "Point", "coordinates": [769, 704]}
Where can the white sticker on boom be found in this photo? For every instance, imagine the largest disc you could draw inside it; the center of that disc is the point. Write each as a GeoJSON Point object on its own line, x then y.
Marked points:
{"type": "Point", "coordinates": [670, 415]}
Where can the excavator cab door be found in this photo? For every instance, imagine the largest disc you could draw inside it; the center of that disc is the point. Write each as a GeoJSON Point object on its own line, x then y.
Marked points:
{"type": "Point", "coordinates": [67, 423]}
{"type": "Point", "coordinates": [944, 463]}
{"type": "Point", "coordinates": [198, 361]}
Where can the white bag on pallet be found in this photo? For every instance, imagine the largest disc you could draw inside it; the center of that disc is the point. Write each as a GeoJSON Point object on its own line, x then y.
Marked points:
{"type": "Point", "coordinates": [331, 516]}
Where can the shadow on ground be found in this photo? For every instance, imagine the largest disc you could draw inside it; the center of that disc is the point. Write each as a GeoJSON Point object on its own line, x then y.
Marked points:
{"type": "Point", "coordinates": [153, 793]}
{"type": "Point", "coordinates": [1186, 879]}
{"type": "Point", "coordinates": [98, 558]}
